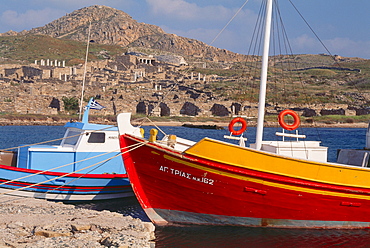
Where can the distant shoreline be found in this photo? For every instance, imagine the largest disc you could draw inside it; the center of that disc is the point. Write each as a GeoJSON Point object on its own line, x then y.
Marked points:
{"type": "Point", "coordinates": [225, 124]}
{"type": "Point", "coordinates": [135, 122]}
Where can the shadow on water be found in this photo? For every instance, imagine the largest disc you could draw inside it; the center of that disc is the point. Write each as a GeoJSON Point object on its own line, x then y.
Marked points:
{"type": "Point", "coordinates": [234, 237]}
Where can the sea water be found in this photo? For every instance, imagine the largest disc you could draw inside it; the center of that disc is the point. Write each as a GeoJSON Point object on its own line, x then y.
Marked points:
{"type": "Point", "coordinates": [216, 236]}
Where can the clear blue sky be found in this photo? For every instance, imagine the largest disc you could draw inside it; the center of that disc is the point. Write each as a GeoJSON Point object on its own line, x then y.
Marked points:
{"type": "Point", "coordinates": [343, 25]}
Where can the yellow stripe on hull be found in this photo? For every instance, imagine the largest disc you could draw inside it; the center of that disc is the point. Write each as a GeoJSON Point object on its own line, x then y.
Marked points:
{"type": "Point", "coordinates": [268, 183]}
{"type": "Point", "coordinates": [271, 163]}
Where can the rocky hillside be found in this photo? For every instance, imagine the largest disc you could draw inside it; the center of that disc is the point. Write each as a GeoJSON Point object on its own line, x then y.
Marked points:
{"type": "Point", "coordinates": [114, 27]}
{"type": "Point", "coordinates": [187, 47]}
{"type": "Point", "coordinates": [108, 26]}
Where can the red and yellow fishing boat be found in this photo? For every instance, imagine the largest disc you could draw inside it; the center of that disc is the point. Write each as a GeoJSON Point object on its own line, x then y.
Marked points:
{"type": "Point", "coordinates": [214, 182]}
{"type": "Point", "coordinates": [269, 184]}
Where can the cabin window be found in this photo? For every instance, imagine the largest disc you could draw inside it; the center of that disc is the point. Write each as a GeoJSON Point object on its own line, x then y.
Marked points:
{"type": "Point", "coordinates": [72, 140]}
{"type": "Point", "coordinates": [96, 138]}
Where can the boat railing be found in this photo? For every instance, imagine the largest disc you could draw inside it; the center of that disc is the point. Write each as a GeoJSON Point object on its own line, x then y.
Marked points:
{"type": "Point", "coordinates": [241, 139]}
{"type": "Point", "coordinates": [291, 135]}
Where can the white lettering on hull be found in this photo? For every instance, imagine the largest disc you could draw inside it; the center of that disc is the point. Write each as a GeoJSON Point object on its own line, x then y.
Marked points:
{"type": "Point", "coordinates": [186, 175]}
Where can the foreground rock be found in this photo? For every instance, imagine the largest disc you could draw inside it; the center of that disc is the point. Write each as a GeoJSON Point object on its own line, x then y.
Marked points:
{"type": "Point", "coordinates": [27, 222]}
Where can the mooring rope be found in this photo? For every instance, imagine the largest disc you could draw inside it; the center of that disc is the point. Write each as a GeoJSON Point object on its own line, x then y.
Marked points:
{"type": "Point", "coordinates": [102, 163]}
{"type": "Point", "coordinates": [29, 186]}
{"type": "Point", "coordinates": [155, 125]}
{"type": "Point", "coordinates": [119, 154]}
{"type": "Point", "coordinates": [58, 167]}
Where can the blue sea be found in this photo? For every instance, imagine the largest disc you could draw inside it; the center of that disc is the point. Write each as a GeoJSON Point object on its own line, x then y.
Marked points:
{"type": "Point", "coordinates": [210, 236]}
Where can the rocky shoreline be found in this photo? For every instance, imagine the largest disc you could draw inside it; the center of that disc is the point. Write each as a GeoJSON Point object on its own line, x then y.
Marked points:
{"type": "Point", "coordinates": [29, 222]}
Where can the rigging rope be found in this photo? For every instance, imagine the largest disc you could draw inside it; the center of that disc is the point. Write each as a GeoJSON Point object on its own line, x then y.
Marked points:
{"type": "Point", "coordinates": [308, 25]}
{"type": "Point", "coordinates": [227, 24]}
{"type": "Point", "coordinates": [58, 167]}
{"type": "Point", "coordinates": [67, 174]}
{"type": "Point", "coordinates": [102, 163]}
{"type": "Point", "coordinates": [155, 125]}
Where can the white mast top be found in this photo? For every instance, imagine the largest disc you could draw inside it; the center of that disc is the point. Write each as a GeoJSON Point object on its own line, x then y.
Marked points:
{"type": "Point", "coordinates": [262, 95]}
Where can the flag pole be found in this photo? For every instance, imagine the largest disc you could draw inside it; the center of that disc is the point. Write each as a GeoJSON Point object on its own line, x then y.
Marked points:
{"type": "Point", "coordinates": [84, 76]}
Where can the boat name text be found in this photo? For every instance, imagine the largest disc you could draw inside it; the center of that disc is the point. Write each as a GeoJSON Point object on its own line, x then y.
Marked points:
{"type": "Point", "coordinates": [186, 175]}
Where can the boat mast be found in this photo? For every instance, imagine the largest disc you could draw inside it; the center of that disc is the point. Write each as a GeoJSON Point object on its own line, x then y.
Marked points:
{"type": "Point", "coordinates": [265, 55]}
{"type": "Point", "coordinates": [85, 68]}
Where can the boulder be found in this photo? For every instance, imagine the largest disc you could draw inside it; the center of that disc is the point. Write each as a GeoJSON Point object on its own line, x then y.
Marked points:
{"type": "Point", "coordinates": [363, 111]}
{"type": "Point", "coordinates": [219, 110]}
{"type": "Point", "coordinates": [307, 112]}
{"type": "Point", "coordinates": [333, 112]}
{"type": "Point", "coordinates": [189, 109]}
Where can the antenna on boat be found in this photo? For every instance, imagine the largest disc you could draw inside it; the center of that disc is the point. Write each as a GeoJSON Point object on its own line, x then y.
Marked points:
{"type": "Point", "coordinates": [84, 76]}
{"type": "Point", "coordinates": [262, 94]}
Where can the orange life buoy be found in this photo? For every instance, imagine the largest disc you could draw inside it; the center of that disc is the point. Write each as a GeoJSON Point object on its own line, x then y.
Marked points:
{"type": "Point", "coordinates": [241, 130]}
{"type": "Point", "coordinates": [295, 116]}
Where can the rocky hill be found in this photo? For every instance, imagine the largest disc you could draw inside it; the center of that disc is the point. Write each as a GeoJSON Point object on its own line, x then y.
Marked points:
{"type": "Point", "coordinates": [108, 26]}
{"type": "Point", "coordinates": [34, 81]}
{"type": "Point", "coordinates": [114, 27]}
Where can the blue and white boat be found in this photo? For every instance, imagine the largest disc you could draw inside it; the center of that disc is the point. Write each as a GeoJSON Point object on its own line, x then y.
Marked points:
{"type": "Point", "coordinates": [85, 166]}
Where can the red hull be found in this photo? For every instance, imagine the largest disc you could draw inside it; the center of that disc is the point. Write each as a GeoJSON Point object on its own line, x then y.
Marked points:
{"type": "Point", "coordinates": [176, 188]}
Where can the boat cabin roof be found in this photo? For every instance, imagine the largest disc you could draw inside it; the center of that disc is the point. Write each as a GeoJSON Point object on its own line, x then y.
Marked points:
{"type": "Point", "coordinates": [90, 126]}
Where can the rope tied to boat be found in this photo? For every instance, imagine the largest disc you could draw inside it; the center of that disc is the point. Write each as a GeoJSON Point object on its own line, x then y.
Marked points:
{"type": "Point", "coordinates": [134, 146]}
{"type": "Point", "coordinates": [58, 167]}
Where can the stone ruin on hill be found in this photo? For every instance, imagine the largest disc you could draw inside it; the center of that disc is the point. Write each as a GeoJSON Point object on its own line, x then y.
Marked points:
{"type": "Point", "coordinates": [130, 83]}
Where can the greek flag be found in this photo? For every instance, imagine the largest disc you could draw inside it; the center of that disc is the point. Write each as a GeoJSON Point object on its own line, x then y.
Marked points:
{"type": "Point", "coordinates": [95, 105]}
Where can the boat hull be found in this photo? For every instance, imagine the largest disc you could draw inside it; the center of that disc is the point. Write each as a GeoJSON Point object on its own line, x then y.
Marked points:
{"type": "Point", "coordinates": [244, 189]}
{"type": "Point", "coordinates": [62, 187]}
